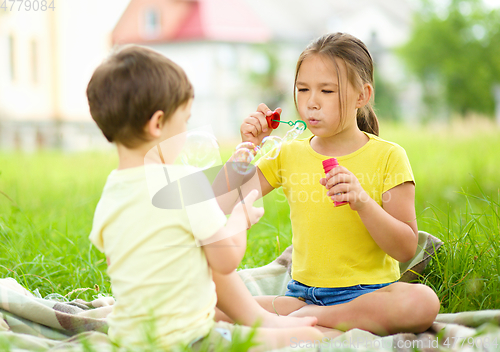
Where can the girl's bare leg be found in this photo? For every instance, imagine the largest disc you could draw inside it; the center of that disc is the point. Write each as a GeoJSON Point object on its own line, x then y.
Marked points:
{"type": "Point", "coordinates": [236, 304]}
{"type": "Point", "coordinates": [400, 307]}
{"type": "Point", "coordinates": [282, 305]}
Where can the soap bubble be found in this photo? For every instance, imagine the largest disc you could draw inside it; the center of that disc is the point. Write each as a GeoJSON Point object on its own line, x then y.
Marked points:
{"type": "Point", "coordinates": [241, 161]}
{"type": "Point", "coordinates": [249, 147]}
{"type": "Point", "coordinates": [201, 150]}
{"type": "Point", "coordinates": [296, 131]}
{"type": "Point", "coordinates": [271, 146]}
{"type": "Point", "coordinates": [243, 156]}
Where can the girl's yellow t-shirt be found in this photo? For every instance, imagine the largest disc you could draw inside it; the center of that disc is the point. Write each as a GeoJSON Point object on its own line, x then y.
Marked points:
{"type": "Point", "coordinates": [331, 246]}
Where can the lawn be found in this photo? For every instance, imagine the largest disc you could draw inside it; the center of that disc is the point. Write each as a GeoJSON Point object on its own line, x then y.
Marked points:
{"type": "Point", "coordinates": [47, 201]}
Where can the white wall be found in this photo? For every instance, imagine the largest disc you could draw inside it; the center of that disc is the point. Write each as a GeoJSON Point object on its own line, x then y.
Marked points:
{"type": "Point", "coordinates": [22, 98]}
{"type": "Point", "coordinates": [71, 40]}
{"type": "Point", "coordinates": [83, 37]}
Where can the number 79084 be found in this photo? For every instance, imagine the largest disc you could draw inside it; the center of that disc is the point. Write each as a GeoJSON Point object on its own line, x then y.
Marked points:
{"type": "Point", "coordinates": [27, 5]}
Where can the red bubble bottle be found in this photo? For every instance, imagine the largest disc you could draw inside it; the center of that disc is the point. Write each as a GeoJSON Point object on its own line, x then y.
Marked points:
{"type": "Point", "coordinates": [329, 164]}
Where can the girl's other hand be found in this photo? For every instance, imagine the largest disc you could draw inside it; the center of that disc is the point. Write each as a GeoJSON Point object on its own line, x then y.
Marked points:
{"type": "Point", "coordinates": [343, 186]}
{"type": "Point", "coordinates": [254, 128]}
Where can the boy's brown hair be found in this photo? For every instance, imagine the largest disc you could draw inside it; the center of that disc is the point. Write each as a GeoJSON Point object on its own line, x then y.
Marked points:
{"type": "Point", "coordinates": [129, 87]}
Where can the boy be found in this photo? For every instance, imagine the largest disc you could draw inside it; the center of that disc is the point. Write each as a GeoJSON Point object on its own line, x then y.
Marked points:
{"type": "Point", "coordinates": [160, 277]}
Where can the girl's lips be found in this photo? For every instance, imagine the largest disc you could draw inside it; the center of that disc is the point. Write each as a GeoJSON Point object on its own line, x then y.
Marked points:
{"type": "Point", "coordinates": [313, 121]}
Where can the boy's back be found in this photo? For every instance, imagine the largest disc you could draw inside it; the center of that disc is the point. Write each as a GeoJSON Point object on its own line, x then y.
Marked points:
{"type": "Point", "coordinates": [158, 273]}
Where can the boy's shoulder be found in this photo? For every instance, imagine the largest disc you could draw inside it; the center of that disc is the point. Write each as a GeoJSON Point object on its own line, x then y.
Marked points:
{"type": "Point", "coordinates": [131, 174]}
{"type": "Point", "coordinates": [128, 197]}
{"type": "Point", "coordinates": [149, 173]}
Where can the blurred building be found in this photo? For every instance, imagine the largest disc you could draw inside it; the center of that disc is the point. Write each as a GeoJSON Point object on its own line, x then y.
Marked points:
{"type": "Point", "coordinates": [237, 53]}
{"type": "Point", "coordinates": [46, 60]}
{"type": "Point", "coordinates": [213, 41]}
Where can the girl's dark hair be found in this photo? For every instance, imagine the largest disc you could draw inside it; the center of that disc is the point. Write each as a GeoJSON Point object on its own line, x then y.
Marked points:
{"type": "Point", "coordinates": [359, 64]}
{"type": "Point", "coordinates": [129, 87]}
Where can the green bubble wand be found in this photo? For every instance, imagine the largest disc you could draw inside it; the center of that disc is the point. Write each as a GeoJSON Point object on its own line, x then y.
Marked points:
{"type": "Point", "coordinates": [293, 124]}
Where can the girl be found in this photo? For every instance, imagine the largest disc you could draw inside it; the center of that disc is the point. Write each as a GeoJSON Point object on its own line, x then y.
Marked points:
{"type": "Point", "coordinates": [345, 259]}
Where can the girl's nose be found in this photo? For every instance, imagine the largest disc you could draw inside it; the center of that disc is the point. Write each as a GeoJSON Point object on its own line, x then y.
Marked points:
{"type": "Point", "coordinates": [312, 103]}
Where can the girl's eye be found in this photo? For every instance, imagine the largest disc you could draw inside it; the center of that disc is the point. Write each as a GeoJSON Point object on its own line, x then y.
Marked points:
{"type": "Point", "coordinates": [303, 89]}
{"type": "Point", "coordinates": [327, 91]}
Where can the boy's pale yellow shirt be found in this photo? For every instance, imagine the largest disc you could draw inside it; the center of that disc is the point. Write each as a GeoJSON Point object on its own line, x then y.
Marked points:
{"type": "Point", "coordinates": [159, 277]}
{"type": "Point", "coordinates": [331, 246]}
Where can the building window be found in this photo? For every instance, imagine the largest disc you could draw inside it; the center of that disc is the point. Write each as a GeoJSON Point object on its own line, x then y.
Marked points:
{"type": "Point", "coordinates": [12, 61]}
{"type": "Point", "coordinates": [34, 61]}
{"type": "Point", "coordinates": [152, 23]}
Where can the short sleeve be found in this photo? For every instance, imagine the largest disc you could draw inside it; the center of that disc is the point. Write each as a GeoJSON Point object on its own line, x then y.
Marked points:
{"type": "Point", "coordinates": [270, 168]}
{"type": "Point", "coordinates": [95, 238]}
{"type": "Point", "coordinates": [98, 223]}
{"type": "Point", "coordinates": [398, 169]}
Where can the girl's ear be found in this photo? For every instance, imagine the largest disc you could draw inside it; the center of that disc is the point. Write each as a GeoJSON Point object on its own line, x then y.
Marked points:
{"type": "Point", "coordinates": [154, 126]}
{"type": "Point", "coordinates": [365, 95]}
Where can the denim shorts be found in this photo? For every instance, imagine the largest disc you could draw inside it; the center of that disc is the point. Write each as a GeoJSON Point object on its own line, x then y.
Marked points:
{"type": "Point", "coordinates": [328, 296]}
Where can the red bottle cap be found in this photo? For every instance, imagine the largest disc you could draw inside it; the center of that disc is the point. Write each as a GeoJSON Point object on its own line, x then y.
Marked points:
{"type": "Point", "coordinates": [273, 124]}
{"type": "Point", "coordinates": [329, 164]}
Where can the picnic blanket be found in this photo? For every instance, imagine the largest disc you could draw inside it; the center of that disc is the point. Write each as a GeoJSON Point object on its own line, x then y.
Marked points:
{"type": "Point", "coordinates": [31, 323]}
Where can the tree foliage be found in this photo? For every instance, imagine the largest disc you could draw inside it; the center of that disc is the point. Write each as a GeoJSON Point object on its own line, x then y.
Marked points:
{"type": "Point", "coordinates": [455, 52]}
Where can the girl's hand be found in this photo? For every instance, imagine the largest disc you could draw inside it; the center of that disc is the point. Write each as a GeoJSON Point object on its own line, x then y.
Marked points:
{"type": "Point", "coordinates": [254, 128]}
{"type": "Point", "coordinates": [245, 145]}
{"type": "Point", "coordinates": [343, 186]}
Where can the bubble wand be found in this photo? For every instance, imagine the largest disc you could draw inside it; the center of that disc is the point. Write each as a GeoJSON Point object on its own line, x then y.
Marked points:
{"type": "Point", "coordinates": [270, 146]}
{"type": "Point", "coordinates": [293, 124]}
{"type": "Point", "coordinates": [275, 117]}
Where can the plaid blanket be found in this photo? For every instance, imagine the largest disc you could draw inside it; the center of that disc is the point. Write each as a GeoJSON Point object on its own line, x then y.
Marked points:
{"type": "Point", "coordinates": [29, 323]}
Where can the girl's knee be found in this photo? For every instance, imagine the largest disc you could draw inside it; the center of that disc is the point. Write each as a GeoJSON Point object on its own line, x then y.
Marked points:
{"type": "Point", "coordinates": [426, 297]}
{"type": "Point", "coordinates": [424, 306]}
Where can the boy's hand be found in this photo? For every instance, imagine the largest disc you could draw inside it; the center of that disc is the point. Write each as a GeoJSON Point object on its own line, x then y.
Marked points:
{"type": "Point", "coordinates": [246, 211]}
{"type": "Point", "coordinates": [254, 128]}
{"type": "Point", "coordinates": [343, 186]}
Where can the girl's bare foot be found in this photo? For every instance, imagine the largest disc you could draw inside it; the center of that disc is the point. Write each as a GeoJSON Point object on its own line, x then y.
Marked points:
{"type": "Point", "coordinates": [329, 332]}
{"type": "Point", "coordinates": [271, 320]}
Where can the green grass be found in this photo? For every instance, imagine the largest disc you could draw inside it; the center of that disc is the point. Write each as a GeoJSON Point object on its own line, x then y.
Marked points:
{"type": "Point", "coordinates": [46, 212]}
{"type": "Point", "coordinates": [465, 273]}
{"type": "Point", "coordinates": [47, 202]}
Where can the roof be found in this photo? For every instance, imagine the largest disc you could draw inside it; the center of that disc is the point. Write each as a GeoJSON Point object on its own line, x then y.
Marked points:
{"type": "Point", "coordinates": [180, 20]}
